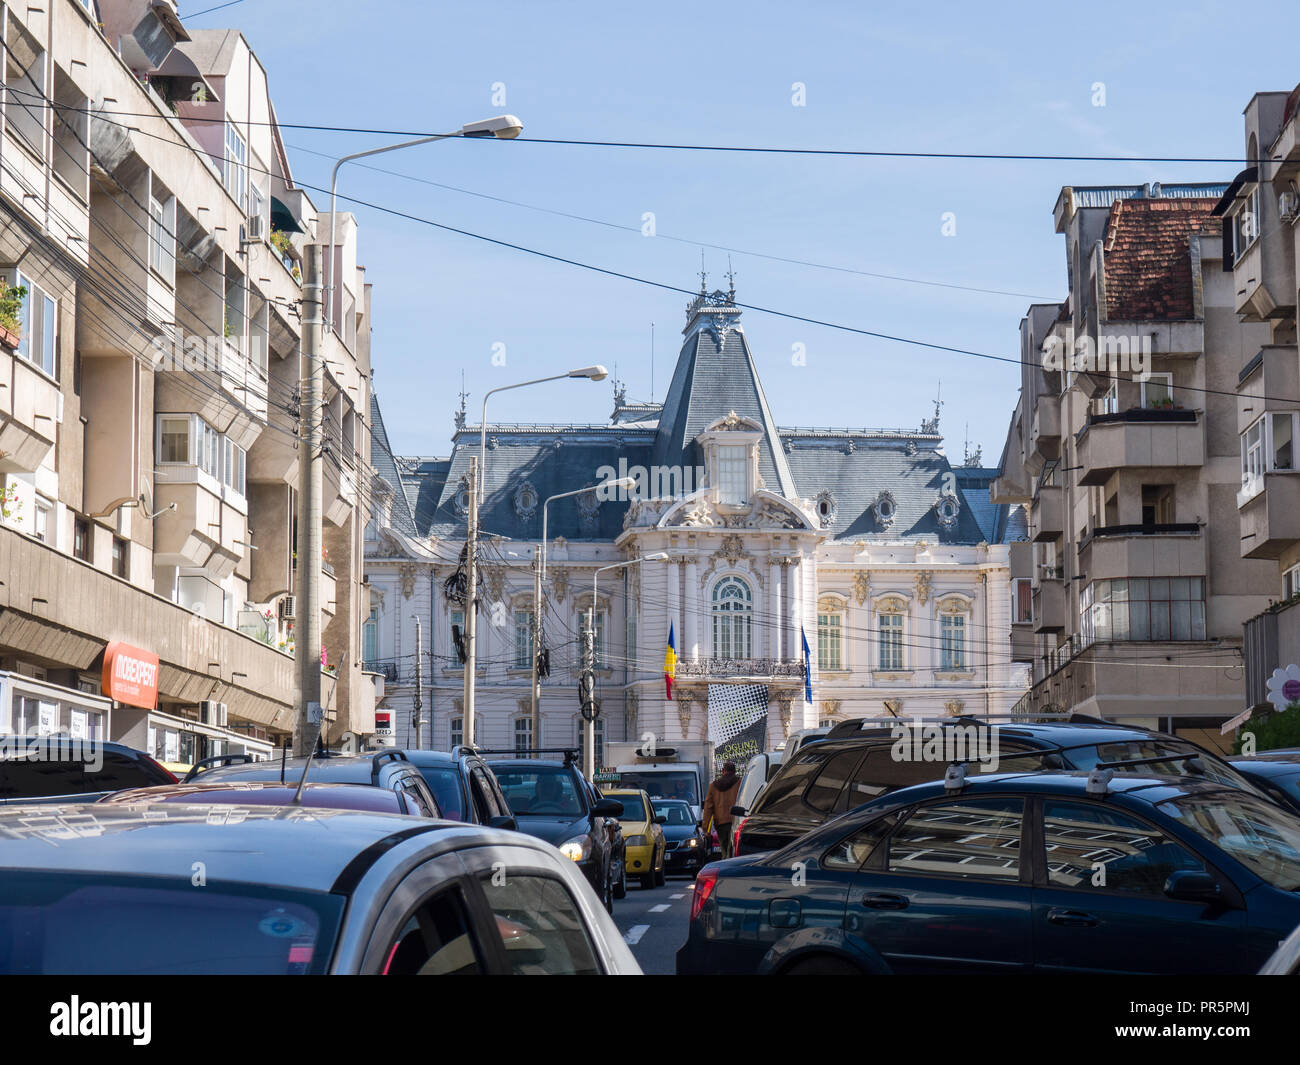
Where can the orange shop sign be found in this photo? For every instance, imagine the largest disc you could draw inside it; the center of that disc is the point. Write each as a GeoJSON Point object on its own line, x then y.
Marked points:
{"type": "Point", "coordinates": [131, 675]}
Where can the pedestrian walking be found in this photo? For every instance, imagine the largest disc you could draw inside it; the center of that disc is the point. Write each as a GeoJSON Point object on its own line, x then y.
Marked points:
{"type": "Point", "coordinates": [718, 804]}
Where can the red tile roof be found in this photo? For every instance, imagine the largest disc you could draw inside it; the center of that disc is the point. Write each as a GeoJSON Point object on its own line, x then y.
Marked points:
{"type": "Point", "coordinates": [1148, 258]}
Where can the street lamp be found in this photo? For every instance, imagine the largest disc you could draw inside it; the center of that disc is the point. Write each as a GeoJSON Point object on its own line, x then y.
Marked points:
{"type": "Point", "coordinates": [589, 727]}
{"type": "Point", "coordinates": [503, 127]}
{"type": "Point", "coordinates": [539, 572]}
{"type": "Point", "coordinates": [476, 495]}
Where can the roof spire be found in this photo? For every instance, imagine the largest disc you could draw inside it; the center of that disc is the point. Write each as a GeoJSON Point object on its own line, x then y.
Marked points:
{"type": "Point", "coordinates": [731, 280]}
{"type": "Point", "coordinates": [460, 414]}
{"type": "Point", "coordinates": [703, 276]}
{"type": "Point", "coordinates": [931, 425]}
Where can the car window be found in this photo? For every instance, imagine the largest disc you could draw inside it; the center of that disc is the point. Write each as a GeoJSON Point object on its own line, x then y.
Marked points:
{"type": "Point", "coordinates": [35, 780]}
{"type": "Point", "coordinates": [540, 926]}
{"type": "Point", "coordinates": [118, 772]}
{"type": "Point", "coordinates": [881, 772]}
{"type": "Point", "coordinates": [544, 791]}
{"type": "Point", "coordinates": [1205, 765]}
{"type": "Point", "coordinates": [678, 813]}
{"type": "Point", "coordinates": [1092, 848]}
{"type": "Point", "coordinates": [444, 782]}
{"type": "Point", "coordinates": [435, 941]}
{"type": "Point", "coordinates": [853, 850]}
{"type": "Point", "coordinates": [826, 789]}
{"type": "Point", "coordinates": [784, 795]}
{"type": "Point", "coordinates": [633, 807]}
{"type": "Point", "coordinates": [417, 799]}
{"type": "Point", "coordinates": [1256, 832]}
{"type": "Point", "coordinates": [481, 791]}
{"type": "Point", "coordinates": [966, 838]}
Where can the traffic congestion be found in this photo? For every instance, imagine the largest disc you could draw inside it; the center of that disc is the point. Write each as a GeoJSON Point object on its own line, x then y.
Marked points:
{"type": "Point", "coordinates": [1076, 846]}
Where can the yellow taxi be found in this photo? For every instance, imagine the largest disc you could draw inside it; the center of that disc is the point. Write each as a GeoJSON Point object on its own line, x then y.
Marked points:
{"type": "Point", "coordinates": [643, 836]}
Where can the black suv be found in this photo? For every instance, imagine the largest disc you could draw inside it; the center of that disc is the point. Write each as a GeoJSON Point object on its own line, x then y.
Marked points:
{"type": "Point", "coordinates": [854, 764]}
{"type": "Point", "coordinates": [59, 768]}
{"type": "Point", "coordinates": [389, 769]}
{"type": "Point", "coordinates": [464, 785]}
{"type": "Point", "coordinates": [553, 801]}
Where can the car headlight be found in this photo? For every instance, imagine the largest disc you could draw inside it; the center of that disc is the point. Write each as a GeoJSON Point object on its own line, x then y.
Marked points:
{"type": "Point", "coordinates": [692, 842]}
{"type": "Point", "coordinates": [578, 849]}
{"type": "Point", "coordinates": [637, 841]}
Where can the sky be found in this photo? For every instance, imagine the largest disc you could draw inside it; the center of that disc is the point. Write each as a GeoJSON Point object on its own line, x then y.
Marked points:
{"type": "Point", "coordinates": [945, 77]}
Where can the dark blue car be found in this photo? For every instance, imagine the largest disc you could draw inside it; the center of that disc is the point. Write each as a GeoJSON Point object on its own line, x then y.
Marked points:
{"type": "Point", "coordinates": [1039, 872]}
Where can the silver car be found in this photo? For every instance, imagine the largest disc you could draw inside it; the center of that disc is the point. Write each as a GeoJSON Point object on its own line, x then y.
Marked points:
{"type": "Point", "coordinates": [179, 889]}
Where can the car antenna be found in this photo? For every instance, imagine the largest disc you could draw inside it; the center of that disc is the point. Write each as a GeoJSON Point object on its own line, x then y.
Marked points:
{"type": "Point", "coordinates": [302, 780]}
{"type": "Point", "coordinates": [284, 754]}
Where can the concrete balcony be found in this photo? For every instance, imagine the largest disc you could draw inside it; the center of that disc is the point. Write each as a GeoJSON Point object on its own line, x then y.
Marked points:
{"type": "Point", "coordinates": [1271, 381]}
{"type": "Point", "coordinates": [1271, 640]}
{"type": "Point", "coordinates": [204, 530]}
{"type": "Point", "coordinates": [1117, 551]}
{"type": "Point", "coordinates": [340, 493]}
{"type": "Point", "coordinates": [1049, 605]}
{"type": "Point", "coordinates": [225, 389]}
{"type": "Point", "coordinates": [1047, 514]}
{"type": "Point", "coordinates": [1139, 438]}
{"type": "Point", "coordinates": [30, 406]}
{"type": "Point", "coordinates": [1045, 436]}
{"type": "Point", "coordinates": [1021, 559]}
{"type": "Point", "coordinates": [1264, 277]}
{"type": "Point", "coordinates": [1022, 643]}
{"type": "Point", "coordinates": [1270, 519]}
{"type": "Point", "coordinates": [738, 669]}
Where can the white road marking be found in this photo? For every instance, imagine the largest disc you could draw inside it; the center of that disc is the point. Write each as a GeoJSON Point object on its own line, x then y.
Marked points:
{"type": "Point", "coordinates": [633, 935]}
{"type": "Point", "coordinates": [677, 896]}
{"type": "Point", "coordinates": [660, 908]}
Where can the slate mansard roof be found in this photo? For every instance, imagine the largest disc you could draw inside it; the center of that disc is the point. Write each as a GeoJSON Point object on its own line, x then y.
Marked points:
{"type": "Point", "coordinates": [844, 472]}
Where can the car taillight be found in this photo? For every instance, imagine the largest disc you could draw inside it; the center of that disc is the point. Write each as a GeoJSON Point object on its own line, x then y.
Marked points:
{"type": "Point", "coordinates": [735, 836]}
{"type": "Point", "coordinates": [704, 885]}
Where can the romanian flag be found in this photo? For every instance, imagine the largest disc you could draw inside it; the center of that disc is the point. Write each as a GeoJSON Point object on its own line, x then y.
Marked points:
{"type": "Point", "coordinates": [670, 664]}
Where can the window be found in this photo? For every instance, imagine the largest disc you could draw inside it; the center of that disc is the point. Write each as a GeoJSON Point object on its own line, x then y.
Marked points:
{"type": "Point", "coordinates": [38, 326]}
{"type": "Point", "coordinates": [880, 772]}
{"type": "Point", "coordinates": [1094, 848]}
{"type": "Point", "coordinates": [733, 474]}
{"type": "Point", "coordinates": [25, 89]}
{"type": "Point", "coordinates": [1022, 601]}
{"type": "Point", "coordinates": [1281, 444]}
{"type": "Point", "coordinates": [370, 638]}
{"type": "Point", "coordinates": [1110, 401]}
{"type": "Point", "coordinates": [598, 729]}
{"type": "Point", "coordinates": [631, 637]}
{"type": "Point", "coordinates": [1158, 391]}
{"type": "Point", "coordinates": [162, 236]}
{"type": "Point", "coordinates": [952, 642]}
{"type": "Point", "coordinates": [1291, 582]}
{"type": "Point", "coordinates": [210, 456]}
{"type": "Point", "coordinates": [256, 201]}
{"type": "Point", "coordinates": [830, 641]}
{"type": "Point", "coordinates": [81, 539]}
{"type": "Point", "coordinates": [121, 558]}
{"type": "Point", "coordinates": [1143, 608]}
{"type": "Point", "coordinates": [233, 461]}
{"type": "Point", "coordinates": [1245, 225]}
{"type": "Point", "coordinates": [891, 640]}
{"type": "Point", "coordinates": [434, 941]}
{"type": "Point", "coordinates": [599, 648]}
{"type": "Point", "coordinates": [523, 735]}
{"type": "Point", "coordinates": [174, 439]}
{"type": "Point", "coordinates": [41, 519]}
{"type": "Point", "coordinates": [236, 154]}
{"type": "Point", "coordinates": [732, 608]}
{"type": "Point", "coordinates": [1157, 504]}
{"type": "Point", "coordinates": [970, 838]}
{"type": "Point", "coordinates": [853, 851]}
{"type": "Point", "coordinates": [540, 926]}
{"type": "Point", "coordinates": [827, 789]}
{"type": "Point", "coordinates": [457, 732]}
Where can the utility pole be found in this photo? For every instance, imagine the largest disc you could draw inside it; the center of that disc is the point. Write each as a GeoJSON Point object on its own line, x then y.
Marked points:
{"type": "Point", "coordinates": [419, 678]}
{"type": "Point", "coordinates": [471, 595]}
{"type": "Point", "coordinates": [587, 693]}
{"type": "Point", "coordinates": [534, 715]}
{"type": "Point", "coordinates": [307, 642]}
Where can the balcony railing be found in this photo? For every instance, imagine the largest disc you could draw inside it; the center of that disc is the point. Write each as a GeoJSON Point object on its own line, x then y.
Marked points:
{"type": "Point", "coordinates": [740, 667]}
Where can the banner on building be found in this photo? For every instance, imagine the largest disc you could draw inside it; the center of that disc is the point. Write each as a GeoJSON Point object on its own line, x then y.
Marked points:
{"type": "Point", "coordinates": [737, 722]}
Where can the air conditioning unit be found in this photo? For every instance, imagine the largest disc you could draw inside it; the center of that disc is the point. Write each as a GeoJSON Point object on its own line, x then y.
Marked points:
{"type": "Point", "coordinates": [256, 227]}
{"type": "Point", "coordinates": [1288, 206]}
{"type": "Point", "coordinates": [287, 608]}
{"type": "Point", "coordinates": [212, 713]}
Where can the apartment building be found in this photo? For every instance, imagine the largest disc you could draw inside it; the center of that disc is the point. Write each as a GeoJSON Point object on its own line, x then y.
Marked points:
{"type": "Point", "coordinates": [1261, 242]}
{"type": "Point", "coordinates": [1130, 589]}
{"type": "Point", "coordinates": [149, 408]}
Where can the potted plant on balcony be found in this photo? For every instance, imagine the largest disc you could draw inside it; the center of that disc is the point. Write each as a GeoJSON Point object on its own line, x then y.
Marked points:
{"type": "Point", "coordinates": [11, 306]}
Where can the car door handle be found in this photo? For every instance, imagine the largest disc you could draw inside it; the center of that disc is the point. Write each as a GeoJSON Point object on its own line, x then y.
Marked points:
{"type": "Point", "coordinates": [1071, 918]}
{"type": "Point", "coordinates": [881, 901]}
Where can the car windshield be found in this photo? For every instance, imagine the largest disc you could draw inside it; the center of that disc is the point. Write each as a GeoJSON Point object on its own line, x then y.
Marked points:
{"type": "Point", "coordinates": [633, 807]}
{"type": "Point", "coordinates": [545, 791]}
{"type": "Point", "coordinates": [95, 924]}
{"type": "Point", "coordinates": [678, 814]}
{"type": "Point", "coordinates": [677, 784]}
{"type": "Point", "coordinates": [1205, 765]}
{"type": "Point", "coordinates": [444, 782]}
{"type": "Point", "coordinates": [1260, 835]}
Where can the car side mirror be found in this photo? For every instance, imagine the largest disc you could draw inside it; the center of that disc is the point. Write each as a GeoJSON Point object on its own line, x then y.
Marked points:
{"type": "Point", "coordinates": [737, 811]}
{"type": "Point", "coordinates": [1186, 885]}
{"type": "Point", "coordinates": [502, 821]}
{"type": "Point", "coordinates": [607, 808]}
{"type": "Point", "coordinates": [661, 820]}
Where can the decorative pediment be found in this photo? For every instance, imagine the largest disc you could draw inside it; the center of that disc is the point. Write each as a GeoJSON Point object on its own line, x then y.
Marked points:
{"type": "Point", "coordinates": [954, 603]}
{"type": "Point", "coordinates": [861, 586]}
{"type": "Point", "coordinates": [732, 422]}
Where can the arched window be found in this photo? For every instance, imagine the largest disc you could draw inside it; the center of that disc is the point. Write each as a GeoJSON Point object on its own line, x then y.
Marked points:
{"type": "Point", "coordinates": [732, 615]}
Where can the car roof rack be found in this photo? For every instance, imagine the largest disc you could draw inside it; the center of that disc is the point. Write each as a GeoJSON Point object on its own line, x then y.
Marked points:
{"type": "Point", "coordinates": [377, 762]}
{"type": "Point", "coordinates": [215, 760]}
{"type": "Point", "coordinates": [1099, 781]}
{"type": "Point", "coordinates": [954, 777]}
{"type": "Point", "coordinates": [1190, 756]}
{"type": "Point", "coordinates": [570, 753]}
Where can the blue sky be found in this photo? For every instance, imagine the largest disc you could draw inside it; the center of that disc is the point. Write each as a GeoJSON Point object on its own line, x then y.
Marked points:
{"type": "Point", "coordinates": [950, 77]}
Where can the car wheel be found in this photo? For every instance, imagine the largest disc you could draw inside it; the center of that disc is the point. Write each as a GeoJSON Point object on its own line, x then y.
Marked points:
{"type": "Point", "coordinates": [822, 965]}
{"type": "Point", "coordinates": [648, 881]}
{"type": "Point", "coordinates": [620, 889]}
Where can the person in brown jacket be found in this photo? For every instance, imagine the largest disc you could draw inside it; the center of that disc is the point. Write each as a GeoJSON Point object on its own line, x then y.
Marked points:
{"type": "Point", "coordinates": [718, 804]}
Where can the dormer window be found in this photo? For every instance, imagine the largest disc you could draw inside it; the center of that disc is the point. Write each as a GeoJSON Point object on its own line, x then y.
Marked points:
{"type": "Point", "coordinates": [733, 474]}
